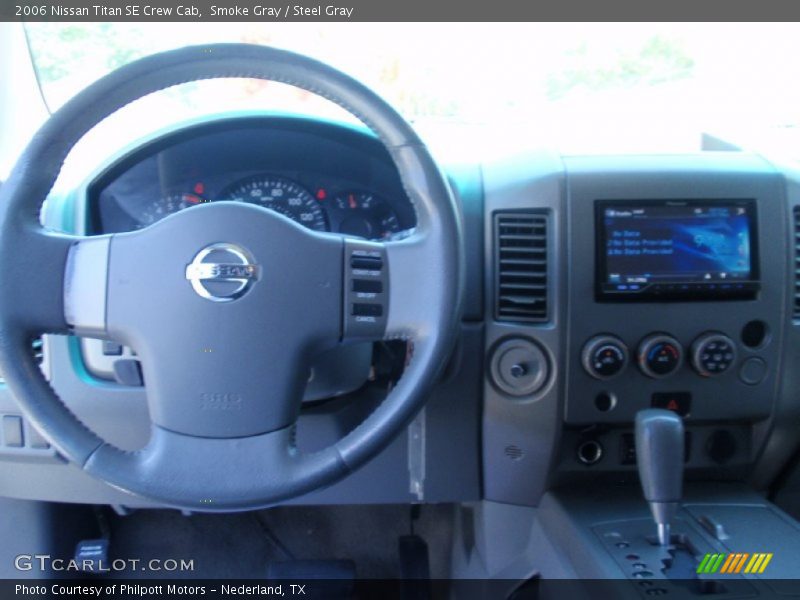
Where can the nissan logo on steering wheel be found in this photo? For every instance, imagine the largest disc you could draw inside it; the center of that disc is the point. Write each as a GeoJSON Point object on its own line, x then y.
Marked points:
{"type": "Point", "coordinates": [222, 272]}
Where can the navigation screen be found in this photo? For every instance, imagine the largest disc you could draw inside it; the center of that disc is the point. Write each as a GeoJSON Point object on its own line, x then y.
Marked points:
{"type": "Point", "coordinates": [674, 248]}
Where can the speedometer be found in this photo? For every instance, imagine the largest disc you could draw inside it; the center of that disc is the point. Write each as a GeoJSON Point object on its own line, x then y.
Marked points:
{"type": "Point", "coordinates": [281, 195]}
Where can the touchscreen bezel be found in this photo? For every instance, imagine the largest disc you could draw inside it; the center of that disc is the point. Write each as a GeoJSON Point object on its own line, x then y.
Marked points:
{"type": "Point", "coordinates": [676, 291]}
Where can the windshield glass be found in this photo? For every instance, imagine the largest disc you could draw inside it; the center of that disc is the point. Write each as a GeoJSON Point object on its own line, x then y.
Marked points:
{"type": "Point", "coordinates": [590, 88]}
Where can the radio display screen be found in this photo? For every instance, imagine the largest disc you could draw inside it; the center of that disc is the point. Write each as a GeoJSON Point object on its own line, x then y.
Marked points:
{"type": "Point", "coordinates": [676, 250]}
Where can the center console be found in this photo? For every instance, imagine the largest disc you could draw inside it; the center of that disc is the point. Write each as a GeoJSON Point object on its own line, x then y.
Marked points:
{"type": "Point", "coordinates": [677, 294]}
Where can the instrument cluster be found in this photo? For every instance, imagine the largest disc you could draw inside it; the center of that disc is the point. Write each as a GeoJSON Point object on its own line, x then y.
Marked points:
{"type": "Point", "coordinates": [325, 177]}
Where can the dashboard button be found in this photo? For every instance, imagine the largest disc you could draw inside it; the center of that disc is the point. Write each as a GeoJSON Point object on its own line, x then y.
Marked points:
{"type": "Point", "coordinates": [713, 353]}
{"type": "Point", "coordinates": [678, 402]}
{"type": "Point", "coordinates": [367, 263]}
{"type": "Point", "coordinates": [367, 286]}
{"type": "Point", "coordinates": [519, 367]}
{"type": "Point", "coordinates": [12, 431]}
{"type": "Point", "coordinates": [128, 372]}
{"type": "Point", "coordinates": [367, 310]}
{"type": "Point", "coordinates": [111, 348]}
{"type": "Point", "coordinates": [604, 356]}
{"type": "Point", "coordinates": [659, 355]}
{"type": "Point", "coordinates": [753, 371]}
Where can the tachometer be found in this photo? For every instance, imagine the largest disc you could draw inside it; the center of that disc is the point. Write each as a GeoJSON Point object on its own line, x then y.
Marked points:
{"type": "Point", "coordinates": [281, 195]}
{"type": "Point", "coordinates": [163, 207]}
{"type": "Point", "coordinates": [365, 215]}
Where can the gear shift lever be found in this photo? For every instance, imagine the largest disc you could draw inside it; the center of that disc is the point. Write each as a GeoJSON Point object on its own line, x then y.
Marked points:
{"type": "Point", "coordinates": [659, 456]}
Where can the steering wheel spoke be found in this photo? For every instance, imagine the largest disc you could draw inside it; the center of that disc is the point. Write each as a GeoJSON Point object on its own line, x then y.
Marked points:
{"type": "Point", "coordinates": [32, 295]}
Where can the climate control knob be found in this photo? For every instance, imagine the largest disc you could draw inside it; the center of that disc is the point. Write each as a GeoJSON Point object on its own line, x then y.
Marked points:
{"type": "Point", "coordinates": [713, 353]}
{"type": "Point", "coordinates": [604, 356]}
{"type": "Point", "coordinates": [659, 355]}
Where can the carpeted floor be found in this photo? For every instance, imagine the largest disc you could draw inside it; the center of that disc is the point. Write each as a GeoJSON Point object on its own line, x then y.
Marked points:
{"type": "Point", "coordinates": [241, 545]}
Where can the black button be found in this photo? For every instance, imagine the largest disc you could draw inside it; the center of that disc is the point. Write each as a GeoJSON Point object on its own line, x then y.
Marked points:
{"type": "Point", "coordinates": [369, 263]}
{"type": "Point", "coordinates": [367, 310]}
{"type": "Point", "coordinates": [112, 348]}
{"type": "Point", "coordinates": [367, 286]}
{"type": "Point", "coordinates": [678, 402]}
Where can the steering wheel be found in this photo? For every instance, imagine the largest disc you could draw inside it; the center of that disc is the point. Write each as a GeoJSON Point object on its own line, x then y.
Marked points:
{"type": "Point", "coordinates": [225, 303]}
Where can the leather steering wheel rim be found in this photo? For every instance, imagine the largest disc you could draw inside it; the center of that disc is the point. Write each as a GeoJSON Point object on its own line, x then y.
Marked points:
{"type": "Point", "coordinates": [42, 273]}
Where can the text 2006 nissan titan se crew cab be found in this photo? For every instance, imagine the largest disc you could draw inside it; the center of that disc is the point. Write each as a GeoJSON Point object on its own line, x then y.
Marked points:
{"type": "Point", "coordinates": [251, 343]}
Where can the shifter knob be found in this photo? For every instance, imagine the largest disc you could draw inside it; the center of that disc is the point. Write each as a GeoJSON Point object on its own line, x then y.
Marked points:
{"type": "Point", "coordinates": [659, 456]}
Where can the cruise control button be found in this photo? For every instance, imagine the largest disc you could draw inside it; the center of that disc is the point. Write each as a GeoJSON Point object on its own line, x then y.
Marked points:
{"type": "Point", "coordinates": [367, 286]}
{"type": "Point", "coordinates": [368, 263]}
{"type": "Point", "coordinates": [367, 310]}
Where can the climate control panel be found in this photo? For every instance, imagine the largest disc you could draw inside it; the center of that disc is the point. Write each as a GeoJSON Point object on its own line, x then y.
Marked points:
{"type": "Point", "coordinates": [702, 374]}
{"type": "Point", "coordinates": [659, 355]}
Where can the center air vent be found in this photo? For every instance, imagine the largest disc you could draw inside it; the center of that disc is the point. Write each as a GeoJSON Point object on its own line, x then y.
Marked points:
{"type": "Point", "coordinates": [796, 306]}
{"type": "Point", "coordinates": [520, 240]}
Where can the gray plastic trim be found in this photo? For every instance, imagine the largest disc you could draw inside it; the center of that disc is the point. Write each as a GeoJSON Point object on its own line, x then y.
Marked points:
{"type": "Point", "coordinates": [85, 285]}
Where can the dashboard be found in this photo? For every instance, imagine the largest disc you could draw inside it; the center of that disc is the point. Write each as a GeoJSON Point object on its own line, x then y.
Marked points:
{"type": "Point", "coordinates": [595, 287]}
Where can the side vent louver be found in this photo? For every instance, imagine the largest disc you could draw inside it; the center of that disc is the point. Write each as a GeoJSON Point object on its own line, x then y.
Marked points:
{"type": "Point", "coordinates": [37, 350]}
{"type": "Point", "coordinates": [520, 241]}
{"type": "Point", "coordinates": [796, 307]}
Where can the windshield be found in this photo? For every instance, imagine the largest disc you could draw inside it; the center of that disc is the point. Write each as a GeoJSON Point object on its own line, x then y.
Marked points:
{"type": "Point", "coordinates": [590, 88]}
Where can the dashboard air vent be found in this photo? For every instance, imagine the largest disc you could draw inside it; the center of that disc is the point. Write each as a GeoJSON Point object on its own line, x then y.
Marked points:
{"type": "Point", "coordinates": [796, 306]}
{"type": "Point", "coordinates": [520, 241]}
{"type": "Point", "coordinates": [37, 350]}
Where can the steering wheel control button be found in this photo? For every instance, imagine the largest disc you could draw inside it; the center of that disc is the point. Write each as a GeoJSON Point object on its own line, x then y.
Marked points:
{"type": "Point", "coordinates": [366, 263]}
{"type": "Point", "coordinates": [112, 348]}
{"type": "Point", "coordinates": [604, 356]}
{"type": "Point", "coordinates": [367, 286]}
{"type": "Point", "coordinates": [753, 371]}
{"type": "Point", "coordinates": [12, 431]}
{"type": "Point", "coordinates": [128, 372]}
{"type": "Point", "coordinates": [519, 367]}
{"type": "Point", "coordinates": [678, 402]}
{"type": "Point", "coordinates": [367, 310]}
{"type": "Point", "coordinates": [713, 354]}
{"type": "Point", "coordinates": [222, 272]}
{"type": "Point", "coordinates": [366, 290]}
{"type": "Point", "coordinates": [659, 355]}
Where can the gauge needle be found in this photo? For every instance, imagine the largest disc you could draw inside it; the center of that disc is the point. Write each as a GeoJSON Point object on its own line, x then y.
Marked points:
{"type": "Point", "coordinates": [352, 200]}
{"type": "Point", "coordinates": [193, 199]}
